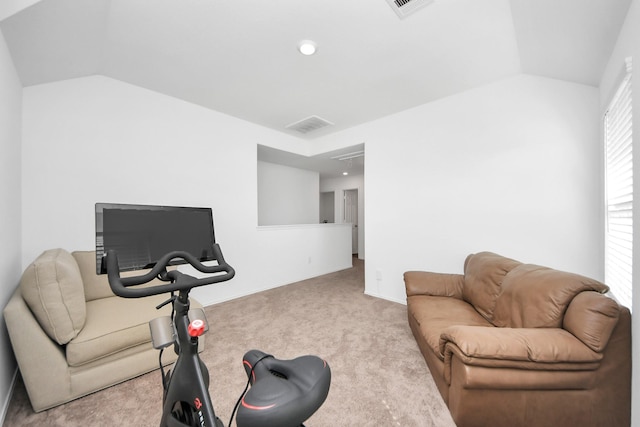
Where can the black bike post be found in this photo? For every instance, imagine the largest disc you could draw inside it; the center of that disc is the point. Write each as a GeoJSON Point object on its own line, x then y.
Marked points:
{"type": "Point", "coordinates": [188, 381]}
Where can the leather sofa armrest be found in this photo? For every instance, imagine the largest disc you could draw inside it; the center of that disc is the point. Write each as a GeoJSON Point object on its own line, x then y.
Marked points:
{"type": "Point", "coordinates": [591, 317]}
{"type": "Point", "coordinates": [521, 348]}
{"type": "Point", "coordinates": [433, 284]}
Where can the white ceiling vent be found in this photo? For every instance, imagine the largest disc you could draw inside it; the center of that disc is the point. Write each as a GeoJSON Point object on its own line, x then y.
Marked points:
{"type": "Point", "coordinates": [405, 8]}
{"type": "Point", "coordinates": [309, 124]}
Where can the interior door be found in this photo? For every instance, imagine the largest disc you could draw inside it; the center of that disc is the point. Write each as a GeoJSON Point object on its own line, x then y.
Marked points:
{"type": "Point", "coordinates": [351, 216]}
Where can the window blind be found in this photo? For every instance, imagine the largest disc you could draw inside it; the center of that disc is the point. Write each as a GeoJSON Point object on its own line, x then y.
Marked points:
{"type": "Point", "coordinates": [619, 192]}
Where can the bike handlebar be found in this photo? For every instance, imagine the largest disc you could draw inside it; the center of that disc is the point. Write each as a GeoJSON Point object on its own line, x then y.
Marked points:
{"type": "Point", "coordinates": [179, 281]}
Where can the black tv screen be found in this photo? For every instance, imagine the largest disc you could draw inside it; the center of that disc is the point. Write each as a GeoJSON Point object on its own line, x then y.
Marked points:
{"type": "Point", "coordinates": [142, 234]}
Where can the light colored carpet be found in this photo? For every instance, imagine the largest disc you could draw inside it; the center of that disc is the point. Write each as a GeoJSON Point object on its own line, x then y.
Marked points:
{"type": "Point", "coordinates": [379, 377]}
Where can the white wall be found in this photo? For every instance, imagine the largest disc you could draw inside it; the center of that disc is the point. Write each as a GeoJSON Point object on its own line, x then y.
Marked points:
{"type": "Point", "coordinates": [287, 195]}
{"type": "Point", "coordinates": [10, 7]}
{"type": "Point", "coordinates": [512, 167]}
{"type": "Point", "coordinates": [328, 242]}
{"type": "Point", "coordinates": [97, 139]}
{"type": "Point", "coordinates": [338, 186]}
{"type": "Point", "coordinates": [628, 45]}
{"type": "Point", "coordinates": [10, 213]}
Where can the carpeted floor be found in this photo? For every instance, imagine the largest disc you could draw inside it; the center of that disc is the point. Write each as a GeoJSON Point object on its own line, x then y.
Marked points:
{"type": "Point", "coordinates": [379, 377]}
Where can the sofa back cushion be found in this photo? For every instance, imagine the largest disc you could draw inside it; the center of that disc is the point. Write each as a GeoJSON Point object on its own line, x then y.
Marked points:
{"type": "Point", "coordinates": [591, 318]}
{"type": "Point", "coordinates": [95, 286]}
{"type": "Point", "coordinates": [52, 288]}
{"type": "Point", "coordinates": [484, 273]}
{"type": "Point", "coordinates": [537, 297]}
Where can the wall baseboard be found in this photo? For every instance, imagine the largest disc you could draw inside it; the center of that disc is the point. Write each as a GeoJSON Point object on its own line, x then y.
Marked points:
{"type": "Point", "coordinates": [7, 401]}
{"type": "Point", "coordinates": [376, 295]}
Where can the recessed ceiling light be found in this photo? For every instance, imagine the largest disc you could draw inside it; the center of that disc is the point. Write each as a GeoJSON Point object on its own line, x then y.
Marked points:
{"type": "Point", "coordinates": [345, 173]}
{"type": "Point", "coordinates": [307, 47]}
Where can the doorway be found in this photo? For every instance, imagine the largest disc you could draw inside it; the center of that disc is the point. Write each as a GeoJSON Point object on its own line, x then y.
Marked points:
{"type": "Point", "coordinates": [327, 207]}
{"type": "Point", "coordinates": [351, 216]}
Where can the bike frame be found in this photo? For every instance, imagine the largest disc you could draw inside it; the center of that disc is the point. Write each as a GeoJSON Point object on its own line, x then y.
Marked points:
{"type": "Point", "coordinates": [186, 399]}
{"type": "Point", "coordinates": [189, 379]}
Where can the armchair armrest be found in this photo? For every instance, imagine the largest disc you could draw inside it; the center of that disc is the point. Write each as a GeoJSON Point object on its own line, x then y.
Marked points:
{"type": "Point", "coordinates": [433, 284]}
{"type": "Point", "coordinates": [42, 362]}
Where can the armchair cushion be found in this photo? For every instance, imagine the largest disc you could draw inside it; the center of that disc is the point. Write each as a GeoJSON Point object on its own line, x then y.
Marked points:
{"type": "Point", "coordinates": [114, 325]}
{"type": "Point", "coordinates": [52, 288]}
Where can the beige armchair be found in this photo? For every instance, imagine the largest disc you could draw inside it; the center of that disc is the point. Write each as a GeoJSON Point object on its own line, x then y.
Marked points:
{"type": "Point", "coordinates": [72, 336]}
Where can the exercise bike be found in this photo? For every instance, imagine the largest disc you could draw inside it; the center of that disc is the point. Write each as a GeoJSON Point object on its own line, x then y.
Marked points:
{"type": "Point", "coordinates": [283, 393]}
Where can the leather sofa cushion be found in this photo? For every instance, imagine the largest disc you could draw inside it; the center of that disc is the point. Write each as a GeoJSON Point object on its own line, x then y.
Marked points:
{"type": "Point", "coordinates": [435, 314]}
{"type": "Point", "coordinates": [484, 273]}
{"type": "Point", "coordinates": [488, 346]}
{"type": "Point", "coordinates": [113, 325]}
{"type": "Point", "coordinates": [537, 297]}
{"type": "Point", "coordinates": [591, 317]}
{"type": "Point", "coordinates": [52, 288]}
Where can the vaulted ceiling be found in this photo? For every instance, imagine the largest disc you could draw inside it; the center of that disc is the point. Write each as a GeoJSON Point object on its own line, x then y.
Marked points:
{"type": "Point", "coordinates": [240, 57]}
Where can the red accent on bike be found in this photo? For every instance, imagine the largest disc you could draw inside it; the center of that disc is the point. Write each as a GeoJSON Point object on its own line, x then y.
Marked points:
{"type": "Point", "coordinates": [253, 374]}
{"type": "Point", "coordinates": [257, 408]}
{"type": "Point", "coordinates": [196, 328]}
{"type": "Point", "coordinates": [197, 403]}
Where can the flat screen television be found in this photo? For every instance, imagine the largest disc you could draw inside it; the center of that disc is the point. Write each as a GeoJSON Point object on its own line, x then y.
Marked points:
{"type": "Point", "coordinates": [142, 234]}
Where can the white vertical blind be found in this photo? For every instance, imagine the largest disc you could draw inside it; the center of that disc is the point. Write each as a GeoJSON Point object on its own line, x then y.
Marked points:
{"type": "Point", "coordinates": [619, 192]}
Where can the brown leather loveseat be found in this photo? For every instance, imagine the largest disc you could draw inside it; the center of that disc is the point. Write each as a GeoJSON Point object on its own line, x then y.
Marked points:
{"type": "Point", "coordinates": [513, 344]}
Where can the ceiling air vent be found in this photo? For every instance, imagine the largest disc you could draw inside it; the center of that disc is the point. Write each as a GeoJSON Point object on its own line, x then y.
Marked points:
{"type": "Point", "coordinates": [405, 8]}
{"type": "Point", "coordinates": [309, 124]}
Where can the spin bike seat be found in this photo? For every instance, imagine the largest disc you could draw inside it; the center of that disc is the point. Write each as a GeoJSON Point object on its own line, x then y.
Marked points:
{"type": "Point", "coordinates": [284, 393]}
